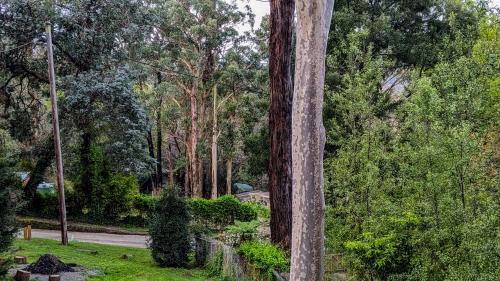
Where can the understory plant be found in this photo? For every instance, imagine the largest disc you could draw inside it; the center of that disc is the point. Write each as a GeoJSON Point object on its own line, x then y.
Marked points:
{"type": "Point", "coordinates": [265, 256]}
{"type": "Point", "coordinates": [169, 231]}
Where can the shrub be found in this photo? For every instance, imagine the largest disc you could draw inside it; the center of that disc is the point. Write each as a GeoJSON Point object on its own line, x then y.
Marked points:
{"type": "Point", "coordinates": [218, 213]}
{"type": "Point", "coordinates": [144, 204]}
{"type": "Point", "coordinates": [386, 253]}
{"type": "Point", "coordinates": [241, 231]}
{"type": "Point", "coordinates": [112, 198]}
{"type": "Point", "coordinates": [261, 210]}
{"type": "Point", "coordinates": [118, 196]}
{"type": "Point", "coordinates": [169, 232]}
{"type": "Point", "coordinates": [265, 256]}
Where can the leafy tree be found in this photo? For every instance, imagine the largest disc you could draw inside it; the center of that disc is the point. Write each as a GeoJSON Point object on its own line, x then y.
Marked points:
{"type": "Point", "coordinates": [9, 186]}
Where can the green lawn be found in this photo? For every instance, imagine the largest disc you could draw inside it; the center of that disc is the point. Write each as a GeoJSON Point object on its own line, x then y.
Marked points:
{"type": "Point", "coordinates": [108, 261]}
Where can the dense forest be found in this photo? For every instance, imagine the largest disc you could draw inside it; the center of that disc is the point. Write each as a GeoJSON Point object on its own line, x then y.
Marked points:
{"type": "Point", "coordinates": [175, 94]}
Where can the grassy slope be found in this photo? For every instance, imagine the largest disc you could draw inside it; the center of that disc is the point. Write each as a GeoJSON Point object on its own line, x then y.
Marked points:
{"type": "Point", "coordinates": [108, 261]}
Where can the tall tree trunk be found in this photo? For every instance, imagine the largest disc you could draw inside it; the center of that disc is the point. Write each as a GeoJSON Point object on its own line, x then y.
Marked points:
{"type": "Point", "coordinates": [152, 181]}
{"type": "Point", "coordinates": [280, 121]}
{"type": "Point", "coordinates": [229, 176]}
{"type": "Point", "coordinates": [215, 133]}
{"type": "Point", "coordinates": [159, 169]}
{"type": "Point", "coordinates": [308, 140]}
{"type": "Point", "coordinates": [194, 170]}
{"type": "Point", "coordinates": [171, 181]}
{"type": "Point", "coordinates": [86, 162]}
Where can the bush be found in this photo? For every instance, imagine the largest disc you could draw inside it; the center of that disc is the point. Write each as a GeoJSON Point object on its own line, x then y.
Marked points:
{"type": "Point", "coordinates": [261, 210]}
{"type": "Point", "coordinates": [240, 232]}
{"type": "Point", "coordinates": [144, 204]}
{"type": "Point", "coordinates": [219, 213]}
{"type": "Point", "coordinates": [386, 253]}
{"type": "Point", "coordinates": [169, 233]}
{"type": "Point", "coordinates": [118, 197]}
{"type": "Point", "coordinates": [45, 205]}
{"type": "Point", "coordinates": [265, 256]}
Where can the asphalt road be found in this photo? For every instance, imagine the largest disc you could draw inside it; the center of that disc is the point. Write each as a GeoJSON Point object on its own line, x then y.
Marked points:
{"type": "Point", "coordinates": [134, 241]}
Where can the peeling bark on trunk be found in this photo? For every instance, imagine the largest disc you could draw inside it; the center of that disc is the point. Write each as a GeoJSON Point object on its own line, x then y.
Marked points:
{"type": "Point", "coordinates": [308, 140]}
{"type": "Point", "coordinates": [280, 121]}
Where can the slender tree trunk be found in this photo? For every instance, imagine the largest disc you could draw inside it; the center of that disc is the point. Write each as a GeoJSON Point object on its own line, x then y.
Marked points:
{"type": "Point", "coordinates": [171, 181]}
{"type": "Point", "coordinates": [152, 155]}
{"type": "Point", "coordinates": [229, 176]}
{"type": "Point", "coordinates": [86, 162]}
{"type": "Point", "coordinates": [194, 168]}
{"type": "Point", "coordinates": [159, 168]}
{"type": "Point", "coordinates": [308, 140]}
{"type": "Point", "coordinates": [215, 132]}
{"type": "Point", "coordinates": [280, 121]}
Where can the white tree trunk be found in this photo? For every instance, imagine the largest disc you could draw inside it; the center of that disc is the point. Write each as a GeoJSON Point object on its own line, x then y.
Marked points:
{"type": "Point", "coordinates": [215, 133]}
{"type": "Point", "coordinates": [308, 139]}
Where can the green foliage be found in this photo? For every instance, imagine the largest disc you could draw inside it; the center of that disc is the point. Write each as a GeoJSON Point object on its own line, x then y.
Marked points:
{"type": "Point", "coordinates": [385, 254]}
{"type": "Point", "coordinates": [144, 204]}
{"type": "Point", "coordinates": [241, 231]}
{"type": "Point", "coordinates": [9, 199]}
{"type": "Point", "coordinates": [118, 196]}
{"type": "Point", "coordinates": [169, 231]}
{"type": "Point", "coordinates": [215, 265]}
{"type": "Point", "coordinates": [218, 213]}
{"type": "Point", "coordinates": [262, 211]}
{"type": "Point", "coordinates": [422, 147]}
{"type": "Point", "coordinates": [265, 256]}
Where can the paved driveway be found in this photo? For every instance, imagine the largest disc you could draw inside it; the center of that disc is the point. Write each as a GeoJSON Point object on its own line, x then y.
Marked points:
{"type": "Point", "coordinates": [134, 241]}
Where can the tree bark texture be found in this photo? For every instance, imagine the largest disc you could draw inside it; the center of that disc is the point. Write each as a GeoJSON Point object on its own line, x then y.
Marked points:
{"type": "Point", "coordinates": [280, 121]}
{"type": "Point", "coordinates": [159, 168]}
{"type": "Point", "coordinates": [194, 179]}
{"type": "Point", "coordinates": [229, 176]}
{"type": "Point", "coordinates": [215, 133]}
{"type": "Point", "coordinates": [308, 140]}
{"type": "Point", "coordinates": [151, 149]}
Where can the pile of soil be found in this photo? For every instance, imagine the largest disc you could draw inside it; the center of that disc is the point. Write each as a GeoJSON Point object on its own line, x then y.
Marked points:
{"type": "Point", "coordinates": [49, 264]}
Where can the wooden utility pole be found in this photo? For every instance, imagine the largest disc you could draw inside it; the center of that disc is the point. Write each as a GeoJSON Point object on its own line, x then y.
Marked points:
{"type": "Point", "coordinates": [57, 138]}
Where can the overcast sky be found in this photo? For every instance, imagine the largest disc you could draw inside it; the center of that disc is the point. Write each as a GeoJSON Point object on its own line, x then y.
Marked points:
{"type": "Point", "coordinates": [261, 7]}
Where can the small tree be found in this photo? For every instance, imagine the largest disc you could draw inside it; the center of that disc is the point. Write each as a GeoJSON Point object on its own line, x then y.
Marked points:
{"type": "Point", "coordinates": [8, 185]}
{"type": "Point", "coordinates": [169, 231]}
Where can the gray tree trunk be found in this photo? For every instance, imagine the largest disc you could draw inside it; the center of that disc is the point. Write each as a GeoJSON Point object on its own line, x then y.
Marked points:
{"type": "Point", "coordinates": [308, 140]}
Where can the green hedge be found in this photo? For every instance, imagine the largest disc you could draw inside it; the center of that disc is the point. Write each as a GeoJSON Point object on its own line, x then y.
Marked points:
{"type": "Point", "coordinates": [265, 256]}
{"type": "Point", "coordinates": [217, 214]}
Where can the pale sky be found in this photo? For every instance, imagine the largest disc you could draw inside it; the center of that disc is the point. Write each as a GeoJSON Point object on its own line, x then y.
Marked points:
{"type": "Point", "coordinates": [261, 8]}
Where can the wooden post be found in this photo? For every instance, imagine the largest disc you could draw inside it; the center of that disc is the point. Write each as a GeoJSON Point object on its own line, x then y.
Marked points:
{"type": "Point", "coordinates": [29, 231]}
{"type": "Point", "coordinates": [22, 275]}
{"type": "Point", "coordinates": [54, 278]}
{"type": "Point", "coordinates": [20, 260]}
{"type": "Point", "coordinates": [57, 138]}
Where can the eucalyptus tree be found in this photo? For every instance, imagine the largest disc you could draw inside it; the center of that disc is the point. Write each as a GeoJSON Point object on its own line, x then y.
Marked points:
{"type": "Point", "coordinates": [308, 141]}
{"type": "Point", "coordinates": [196, 35]}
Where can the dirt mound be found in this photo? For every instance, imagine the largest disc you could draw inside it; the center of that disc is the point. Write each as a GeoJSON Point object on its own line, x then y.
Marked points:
{"type": "Point", "coordinates": [48, 264]}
